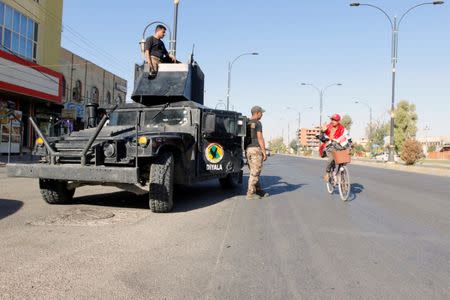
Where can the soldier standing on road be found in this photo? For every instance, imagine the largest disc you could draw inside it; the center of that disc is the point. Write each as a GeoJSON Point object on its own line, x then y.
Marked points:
{"type": "Point", "coordinates": [256, 154]}
{"type": "Point", "coordinates": [155, 51]}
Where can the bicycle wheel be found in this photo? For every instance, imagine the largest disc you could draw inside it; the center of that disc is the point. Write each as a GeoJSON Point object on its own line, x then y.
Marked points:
{"type": "Point", "coordinates": [330, 183]}
{"type": "Point", "coordinates": [344, 183]}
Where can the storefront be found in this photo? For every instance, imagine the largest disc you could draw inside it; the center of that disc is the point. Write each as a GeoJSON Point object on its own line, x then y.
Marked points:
{"type": "Point", "coordinates": [27, 89]}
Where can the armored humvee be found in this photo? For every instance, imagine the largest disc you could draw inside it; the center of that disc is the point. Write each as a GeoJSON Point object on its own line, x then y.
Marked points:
{"type": "Point", "coordinates": [167, 137]}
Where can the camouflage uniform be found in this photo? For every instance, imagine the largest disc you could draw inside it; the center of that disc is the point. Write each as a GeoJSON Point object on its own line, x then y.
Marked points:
{"type": "Point", "coordinates": [255, 162]}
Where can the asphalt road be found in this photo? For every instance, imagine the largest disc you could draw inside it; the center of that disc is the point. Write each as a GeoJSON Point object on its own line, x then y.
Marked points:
{"type": "Point", "coordinates": [391, 241]}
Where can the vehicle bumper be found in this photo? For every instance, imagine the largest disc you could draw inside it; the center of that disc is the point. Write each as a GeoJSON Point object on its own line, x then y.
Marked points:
{"type": "Point", "coordinates": [74, 172]}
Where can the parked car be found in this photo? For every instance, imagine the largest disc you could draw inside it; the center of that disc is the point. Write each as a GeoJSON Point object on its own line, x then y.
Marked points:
{"type": "Point", "coordinates": [384, 156]}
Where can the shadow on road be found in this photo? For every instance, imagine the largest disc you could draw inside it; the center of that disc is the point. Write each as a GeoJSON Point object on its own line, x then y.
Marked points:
{"type": "Point", "coordinates": [185, 198]}
{"type": "Point", "coordinates": [201, 195]}
{"type": "Point", "coordinates": [274, 186]}
{"type": "Point", "coordinates": [115, 199]}
{"type": "Point", "coordinates": [355, 189]}
{"type": "Point", "coordinates": [9, 207]}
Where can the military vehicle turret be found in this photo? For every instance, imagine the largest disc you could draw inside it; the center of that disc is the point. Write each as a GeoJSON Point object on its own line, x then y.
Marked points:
{"type": "Point", "coordinates": [167, 137]}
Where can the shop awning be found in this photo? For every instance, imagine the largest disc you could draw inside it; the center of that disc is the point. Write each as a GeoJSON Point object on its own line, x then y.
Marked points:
{"type": "Point", "coordinates": [20, 76]}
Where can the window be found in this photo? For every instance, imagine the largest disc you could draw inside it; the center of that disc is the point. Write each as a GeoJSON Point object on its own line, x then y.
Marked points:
{"type": "Point", "coordinates": [94, 97]}
{"type": "Point", "coordinates": [18, 33]}
{"type": "Point", "coordinates": [63, 87]}
{"type": "Point", "coordinates": [108, 97]}
{"type": "Point", "coordinates": [77, 92]}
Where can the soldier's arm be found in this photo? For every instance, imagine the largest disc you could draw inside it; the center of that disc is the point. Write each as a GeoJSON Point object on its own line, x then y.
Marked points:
{"type": "Point", "coordinates": [262, 144]}
{"type": "Point", "coordinates": [147, 56]}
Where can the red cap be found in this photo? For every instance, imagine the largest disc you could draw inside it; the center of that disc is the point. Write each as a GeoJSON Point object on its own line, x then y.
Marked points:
{"type": "Point", "coordinates": [336, 117]}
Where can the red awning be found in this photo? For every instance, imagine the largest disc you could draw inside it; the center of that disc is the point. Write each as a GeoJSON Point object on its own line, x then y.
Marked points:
{"type": "Point", "coordinates": [27, 78]}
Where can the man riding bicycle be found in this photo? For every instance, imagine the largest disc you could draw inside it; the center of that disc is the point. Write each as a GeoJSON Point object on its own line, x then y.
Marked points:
{"type": "Point", "coordinates": [334, 136]}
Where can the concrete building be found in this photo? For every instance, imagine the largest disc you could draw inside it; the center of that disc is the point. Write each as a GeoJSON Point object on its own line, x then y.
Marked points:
{"type": "Point", "coordinates": [437, 142]}
{"type": "Point", "coordinates": [30, 82]}
{"type": "Point", "coordinates": [38, 78]}
{"type": "Point", "coordinates": [86, 82]}
{"type": "Point", "coordinates": [308, 138]}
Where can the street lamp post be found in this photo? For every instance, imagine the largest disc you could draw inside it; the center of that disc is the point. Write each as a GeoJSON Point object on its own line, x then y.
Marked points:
{"type": "Point", "coordinates": [220, 102]}
{"type": "Point", "coordinates": [395, 25]}
{"type": "Point", "coordinates": [299, 121]}
{"type": "Point", "coordinates": [321, 93]}
{"type": "Point", "coordinates": [370, 122]}
{"type": "Point", "coordinates": [230, 66]}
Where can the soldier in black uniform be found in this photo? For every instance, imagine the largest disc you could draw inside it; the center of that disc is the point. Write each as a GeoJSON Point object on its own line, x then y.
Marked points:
{"type": "Point", "coordinates": [255, 150]}
{"type": "Point", "coordinates": [155, 50]}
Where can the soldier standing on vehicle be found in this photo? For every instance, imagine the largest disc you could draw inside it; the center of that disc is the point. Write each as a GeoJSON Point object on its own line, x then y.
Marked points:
{"type": "Point", "coordinates": [155, 51]}
{"type": "Point", "coordinates": [256, 154]}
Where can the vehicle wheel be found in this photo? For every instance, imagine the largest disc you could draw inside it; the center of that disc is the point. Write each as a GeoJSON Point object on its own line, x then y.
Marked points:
{"type": "Point", "coordinates": [344, 184]}
{"type": "Point", "coordinates": [330, 183]}
{"type": "Point", "coordinates": [161, 184]}
{"type": "Point", "coordinates": [55, 191]}
{"type": "Point", "coordinates": [230, 181]}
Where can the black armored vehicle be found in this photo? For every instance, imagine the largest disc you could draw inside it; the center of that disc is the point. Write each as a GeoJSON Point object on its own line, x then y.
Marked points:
{"type": "Point", "coordinates": [167, 137]}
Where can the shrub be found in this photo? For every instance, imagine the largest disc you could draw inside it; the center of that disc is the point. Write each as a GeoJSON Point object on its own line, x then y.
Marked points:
{"type": "Point", "coordinates": [307, 152]}
{"type": "Point", "coordinates": [412, 152]}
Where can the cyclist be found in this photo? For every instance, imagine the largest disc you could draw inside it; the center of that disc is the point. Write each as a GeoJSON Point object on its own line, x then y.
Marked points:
{"type": "Point", "coordinates": [335, 136]}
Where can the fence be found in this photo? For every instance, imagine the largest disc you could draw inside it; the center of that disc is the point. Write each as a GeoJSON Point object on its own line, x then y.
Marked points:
{"type": "Point", "coordinates": [439, 155]}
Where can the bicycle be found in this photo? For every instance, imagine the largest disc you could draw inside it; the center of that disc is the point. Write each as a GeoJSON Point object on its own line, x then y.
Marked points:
{"type": "Point", "coordinates": [339, 176]}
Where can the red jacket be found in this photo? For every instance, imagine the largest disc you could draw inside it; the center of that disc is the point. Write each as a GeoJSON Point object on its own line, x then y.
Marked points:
{"type": "Point", "coordinates": [340, 135]}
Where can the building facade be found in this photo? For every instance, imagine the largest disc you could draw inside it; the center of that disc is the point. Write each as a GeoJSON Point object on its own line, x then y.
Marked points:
{"type": "Point", "coordinates": [40, 79]}
{"type": "Point", "coordinates": [308, 138]}
{"type": "Point", "coordinates": [30, 81]}
{"type": "Point", "coordinates": [436, 142]}
{"type": "Point", "coordinates": [85, 82]}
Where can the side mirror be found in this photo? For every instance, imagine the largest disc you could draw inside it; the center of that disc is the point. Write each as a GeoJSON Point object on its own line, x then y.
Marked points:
{"type": "Point", "coordinates": [209, 123]}
{"type": "Point", "coordinates": [242, 126]}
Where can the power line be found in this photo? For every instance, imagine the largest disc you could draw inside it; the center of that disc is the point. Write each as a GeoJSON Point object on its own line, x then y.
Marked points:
{"type": "Point", "coordinates": [74, 32]}
{"type": "Point", "coordinates": [62, 26]}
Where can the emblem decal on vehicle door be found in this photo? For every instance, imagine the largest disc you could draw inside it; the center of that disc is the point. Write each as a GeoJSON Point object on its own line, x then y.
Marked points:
{"type": "Point", "coordinates": [214, 153]}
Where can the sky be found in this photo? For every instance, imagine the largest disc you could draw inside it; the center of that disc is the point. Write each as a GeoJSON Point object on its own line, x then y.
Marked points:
{"type": "Point", "coordinates": [318, 42]}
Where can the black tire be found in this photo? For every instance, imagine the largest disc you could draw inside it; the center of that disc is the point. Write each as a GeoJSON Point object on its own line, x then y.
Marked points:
{"type": "Point", "coordinates": [161, 183]}
{"type": "Point", "coordinates": [55, 191]}
{"type": "Point", "coordinates": [330, 183]}
{"type": "Point", "coordinates": [230, 181]}
{"type": "Point", "coordinates": [344, 184]}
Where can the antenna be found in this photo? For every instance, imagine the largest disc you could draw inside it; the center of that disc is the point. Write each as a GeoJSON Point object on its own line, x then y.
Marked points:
{"type": "Point", "coordinates": [192, 54]}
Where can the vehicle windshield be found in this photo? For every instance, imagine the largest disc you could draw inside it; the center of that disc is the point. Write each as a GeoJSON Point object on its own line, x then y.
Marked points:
{"type": "Point", "coordinates": [169, 117]}
{"type": "Point", "coordinates": [121, 118]}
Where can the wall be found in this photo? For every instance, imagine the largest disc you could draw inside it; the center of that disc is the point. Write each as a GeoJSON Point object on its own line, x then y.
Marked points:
{"type": "Point", "coordinates": [48, 15]}
{"type": "Point", "coordinates": [90, 75]}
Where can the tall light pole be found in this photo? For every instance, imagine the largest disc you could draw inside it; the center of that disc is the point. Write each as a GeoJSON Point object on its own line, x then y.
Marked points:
{"type": "Point", "coordinates": [299, 120]}
{"type": "Point", "coordinates": [230, 66]}
{"type": "Point", "coordinates": [370, 122]}
{"type": "Point", "coordinates": [395, 26]}
{"type": "Point", "coordinates": [321, 93]}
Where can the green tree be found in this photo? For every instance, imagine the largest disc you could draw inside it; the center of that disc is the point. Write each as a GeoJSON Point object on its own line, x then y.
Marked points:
{"type": "Point", "coordinates": [347, 122]}
{"type": "Point", "coordinates": [378, 133]}
{"type": "Point", "coordinates": [432, 148]}
{"type": "Point", "coordinates": [294, 145]}
{"type": "Point", "coordinates": [277, 145]}
{"type": "Point", "coordinates": [405, 128]}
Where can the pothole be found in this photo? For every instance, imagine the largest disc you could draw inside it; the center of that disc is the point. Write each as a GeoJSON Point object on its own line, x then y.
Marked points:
{"type": "Point", "coordinates": [87, 216]}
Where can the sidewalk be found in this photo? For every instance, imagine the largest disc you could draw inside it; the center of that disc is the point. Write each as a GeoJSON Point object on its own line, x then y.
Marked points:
{"type": "Point", "coordinates": [419, 169]}
{"type": "Point", "coordinates": [25, 158]}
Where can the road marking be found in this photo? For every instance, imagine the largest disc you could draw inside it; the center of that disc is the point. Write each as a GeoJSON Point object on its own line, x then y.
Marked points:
{"type": "Point", "coordinates": [222, 247]}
